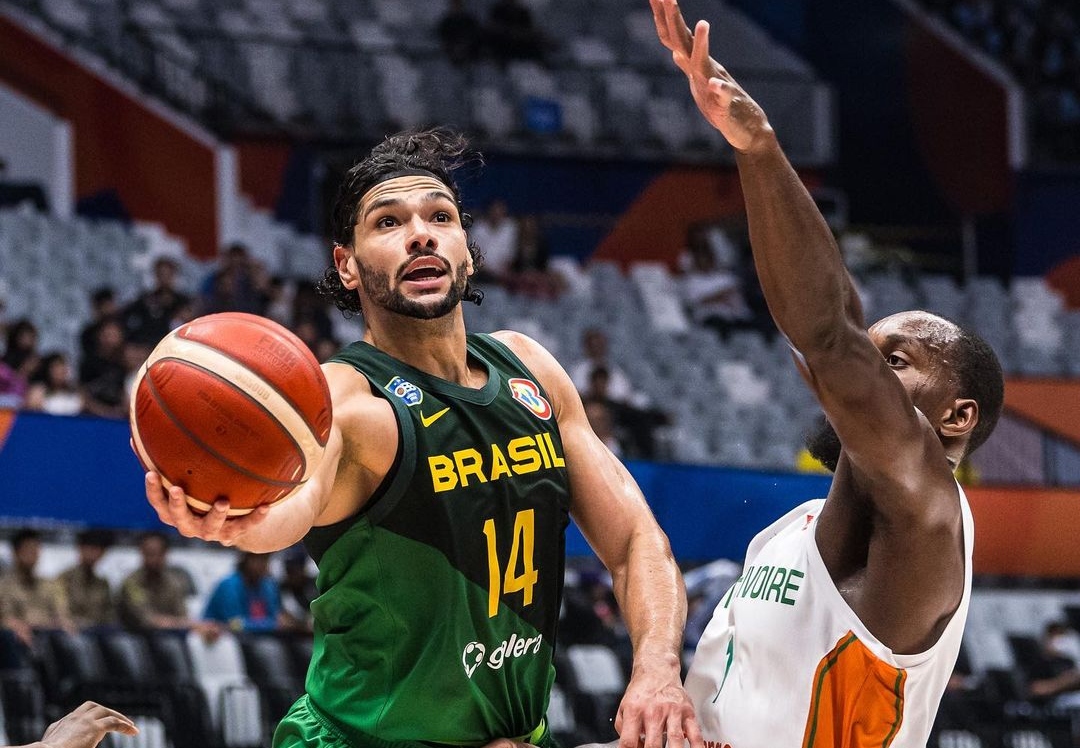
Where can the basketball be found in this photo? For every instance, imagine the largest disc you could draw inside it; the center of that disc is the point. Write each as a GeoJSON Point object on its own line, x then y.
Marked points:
{"type": "Point", "coordinates": [231, 406]}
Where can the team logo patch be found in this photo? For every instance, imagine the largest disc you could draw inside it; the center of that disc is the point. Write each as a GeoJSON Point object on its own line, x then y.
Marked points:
{"type": "Point", "coordinates": [472, 656]}
{"type": "Point", "coordinates": [406, 391]}
{"type": "Point", "coordinates": [528, 394]}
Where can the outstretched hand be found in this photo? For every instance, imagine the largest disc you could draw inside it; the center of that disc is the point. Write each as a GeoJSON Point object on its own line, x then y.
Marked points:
{"type": "Point", "coordinates": [172, 508]}
{"type": "Point", "coordinates": [721, 100]}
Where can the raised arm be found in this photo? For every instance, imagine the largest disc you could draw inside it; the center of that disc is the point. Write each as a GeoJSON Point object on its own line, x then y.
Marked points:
{"type": "Point", "coordinates": [611, 511]}
{"type": "Point", "coordinates": [809, 292]}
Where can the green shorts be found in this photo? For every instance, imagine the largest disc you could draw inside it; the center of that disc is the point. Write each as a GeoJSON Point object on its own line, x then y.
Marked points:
{"type": "Point", "coordinates": [305, 726]}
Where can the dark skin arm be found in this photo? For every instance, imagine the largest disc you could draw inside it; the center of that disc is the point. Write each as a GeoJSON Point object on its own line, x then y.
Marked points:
{"type": "Point", "coordinates": [891, 532]}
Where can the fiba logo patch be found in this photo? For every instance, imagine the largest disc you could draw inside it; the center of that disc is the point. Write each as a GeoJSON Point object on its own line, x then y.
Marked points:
{"type": "Point", "coordinates": [528, 394]}
{"type": "Point", "coordinates": [472, 656]}
{"type": "Point", "coordinates": [406, 391]}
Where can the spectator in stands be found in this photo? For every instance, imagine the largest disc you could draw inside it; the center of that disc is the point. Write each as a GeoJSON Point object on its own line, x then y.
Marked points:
{"type": "Point", "coordinates": [102, 372]}
{"type": "Point", "coordinates": [497, 232]}
{"type": "Point", "coordinates": [27, 601]}
{"type": "Point", "coordinates": [280, 295]}
{"type": "Point", "coordinates": [459, 33]}
{"type": "Point", "coordinates": [297, 591]}
{"type": "Point", "coordinates": [309, 307]}
{"type": "Point", "coordinates": [152, 315]}
{"type": "Point", "coordinates": [248, 599]}
{"type": "Point", "coordinates": [634, 428]}
{"type": "Point", "coordinates": [20, 358]}
{"type": "Point", "coordinates": [1055, 675]}
{"type": "Point", "coordinates": [154, 596]}
{"type": "Point", "coordinates": [325, 348]}
{"type": "Point", "coordinates": [713, 294]}
{"type": "Point", "coordinates": [84, 727]}
{"type": "Point", "coordinates": [53, 389]}
{"type": "Point", "coordinates": [90, 599]}
{"type": "Point", "coordinates": [594, 344]}
{"type": "Point", "coordinates": [511, 34]}
{"type": "Point", "coordinates": [14, 192]}
{"type": "Point", "coordinates": [240, 284]}
{"type": "Point", "coordinates": [102, 307]}
{"type": "Point", "coordinates": [529, 273]}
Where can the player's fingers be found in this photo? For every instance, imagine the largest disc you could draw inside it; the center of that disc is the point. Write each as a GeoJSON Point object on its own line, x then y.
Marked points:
{"type": "Point", "coordinates": [699, 55]}
{"type": "Point", "coordinates": [653, 729]}
{"type": "Point", "coordinates": [658, 19]}
{"type": "Point", "coordinates": [693, 732]}
{"type": "Point", "coordinates": [675, 734]}
{"type": "Point", "coordinates": [179, 514]}
{"type": "Point", "coordinates": [723, 91]}
{"type": "Point", "coordinates": [119, 723]}
{"type": "Point", "coordinates": [158, 499]}
{"type": "Point", "coordinates": [214, 521]}
{"type": "Point", "coordinates": [678, 32]}
{"type": "Point", "coordinates": [628, 725]}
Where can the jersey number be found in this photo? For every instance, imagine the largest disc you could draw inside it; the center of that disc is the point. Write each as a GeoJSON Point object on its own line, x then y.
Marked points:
{"type": "Point", "coordinates": [522, 547]}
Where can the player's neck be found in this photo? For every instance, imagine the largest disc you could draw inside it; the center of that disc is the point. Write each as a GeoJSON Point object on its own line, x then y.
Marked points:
{"type": "Point", "coordinates": [434, 346]}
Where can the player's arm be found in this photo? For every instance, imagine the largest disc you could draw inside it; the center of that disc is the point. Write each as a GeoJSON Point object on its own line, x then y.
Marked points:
{"type": "Point", "coordinates": [612, 513]}
{"type": "Point", "coordinates": [810, 294]}
{"type": "Point", "coordinates": [268, 529]}
{"type": "Point", "coordinates": [84, 727]}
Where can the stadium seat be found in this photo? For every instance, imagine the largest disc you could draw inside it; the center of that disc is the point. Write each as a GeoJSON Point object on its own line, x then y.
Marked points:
{"type": "Point", "coordinates": [600, 683]}
{"type": "Point", "coordinates": [234, 706]}
{"type": "Point", "coordinates": [270, 666]}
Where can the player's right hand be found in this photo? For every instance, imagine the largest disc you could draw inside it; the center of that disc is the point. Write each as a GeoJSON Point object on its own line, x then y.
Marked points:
{"type": "Point", "coordinates": [216, 525]}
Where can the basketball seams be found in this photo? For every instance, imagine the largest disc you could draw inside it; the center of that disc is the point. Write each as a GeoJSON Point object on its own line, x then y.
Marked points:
{"type": "Point", "coordinates": [304, 352]}
{"type": "Point", "coordinates": [207, 358]}
{"type": "Point", "coordinates": [201, 443]}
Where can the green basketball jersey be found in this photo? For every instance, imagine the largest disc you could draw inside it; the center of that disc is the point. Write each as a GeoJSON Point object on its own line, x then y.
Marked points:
{"type": "Point", "coordinates": [439, 602]}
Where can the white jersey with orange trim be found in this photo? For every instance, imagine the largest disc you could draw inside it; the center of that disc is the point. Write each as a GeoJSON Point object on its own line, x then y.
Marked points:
{"type": "Point", "coordinates": [786, 663]}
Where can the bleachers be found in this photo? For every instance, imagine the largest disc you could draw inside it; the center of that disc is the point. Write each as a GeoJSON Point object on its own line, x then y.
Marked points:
{"type": "Point", "coordinates": [314, 67]}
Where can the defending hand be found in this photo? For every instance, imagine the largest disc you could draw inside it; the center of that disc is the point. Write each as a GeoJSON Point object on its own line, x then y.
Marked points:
{"type": "Point", "coordinates": [721, 100]}
{"type": "Point", "coordinates": [86, 726]}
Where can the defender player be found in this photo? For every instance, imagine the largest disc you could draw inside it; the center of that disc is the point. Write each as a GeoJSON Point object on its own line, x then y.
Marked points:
{"type": "Point", "coordinates": [846, 623]}
{"type": "Point", "coordinates": [437, 516]}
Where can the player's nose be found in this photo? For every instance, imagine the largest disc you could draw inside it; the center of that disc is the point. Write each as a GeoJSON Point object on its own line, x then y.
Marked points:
{"type": "Point", "coordinates": [420, 236]}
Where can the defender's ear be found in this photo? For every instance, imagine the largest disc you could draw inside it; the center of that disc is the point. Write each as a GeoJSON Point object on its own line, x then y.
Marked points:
{"type": "Point", "coordinates": [961, 418]}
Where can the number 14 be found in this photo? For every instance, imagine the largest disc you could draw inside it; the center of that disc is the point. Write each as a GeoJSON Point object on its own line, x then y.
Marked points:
{"type": "Point", "coordinates": [524, 535]}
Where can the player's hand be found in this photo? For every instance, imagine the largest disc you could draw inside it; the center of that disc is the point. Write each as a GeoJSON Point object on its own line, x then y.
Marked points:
{"type": "Point", "coordinates": [724, 103]}
{"type": "Point", "coordinates": [86, 726]}
{"type": "Point", "coordinates": [216, 525]}
{"type": "Point", "coordinates": [656, 711]}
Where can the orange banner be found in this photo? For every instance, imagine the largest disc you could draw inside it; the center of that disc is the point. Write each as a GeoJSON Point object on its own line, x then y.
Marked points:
{"type": "Point", "coordinates": [1026, 531]}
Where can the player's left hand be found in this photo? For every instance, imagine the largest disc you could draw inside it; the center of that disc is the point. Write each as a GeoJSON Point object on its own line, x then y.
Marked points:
{"type": "Point", "coordinates": [720, 98]}
{"type": "Point", "coordinates": [656, 711]}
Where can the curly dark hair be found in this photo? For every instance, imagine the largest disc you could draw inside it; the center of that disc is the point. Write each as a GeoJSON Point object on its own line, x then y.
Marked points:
{"type": "Point", "coordinates": [438, 150]}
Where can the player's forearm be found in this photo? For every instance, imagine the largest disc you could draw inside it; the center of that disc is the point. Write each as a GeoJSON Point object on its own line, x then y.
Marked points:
{"type": "Point", "coordinates": [652, 598]}
{"type": "Point", "coordinates": [808, 289]}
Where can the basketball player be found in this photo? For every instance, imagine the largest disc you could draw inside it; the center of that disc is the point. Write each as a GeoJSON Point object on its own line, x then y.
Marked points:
{"type": "Point", "coordinates": [847, 620]}
{"type": "Point", "coordinates": [437, 516]}
{"type": "Point", "coordinates": [84, 727]}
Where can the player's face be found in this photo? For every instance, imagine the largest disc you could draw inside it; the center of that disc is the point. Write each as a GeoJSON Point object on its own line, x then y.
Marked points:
{"type": "Point", "coordinates": [411, 254]}
{"type": "Point", "coordinates": [915, 347]}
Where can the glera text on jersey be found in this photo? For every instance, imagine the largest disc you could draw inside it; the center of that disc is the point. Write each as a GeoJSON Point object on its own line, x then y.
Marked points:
{"type": "Point", "coordinates": [439, 603]}
{"type": "Point", "coordinates": [786, 663]}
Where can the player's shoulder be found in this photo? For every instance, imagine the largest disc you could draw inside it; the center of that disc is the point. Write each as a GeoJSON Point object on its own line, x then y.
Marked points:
{"type": "Point", "coordinates": [531, 353]}
{"type": "Point", "coordinates": [351, 394]}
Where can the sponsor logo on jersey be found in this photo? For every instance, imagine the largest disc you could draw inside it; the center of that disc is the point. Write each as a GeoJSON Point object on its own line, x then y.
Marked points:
{"type": "Point", "coordinates": [465, 467]}
{"type": "Point", "coordinates": [509, 649]}
{"type": "Point", "coordinates": [405, 391]}
{"type": "Point", "coordinates": [528, 394]}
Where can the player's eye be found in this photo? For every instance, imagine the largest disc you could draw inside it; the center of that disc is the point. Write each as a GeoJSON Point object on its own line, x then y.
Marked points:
{"type": "Point", "coordinates": [385, 222]}
{"type": "Point", "coordinates": [895, 361]}
{"type": "Point", "coordinates": [442, 217]}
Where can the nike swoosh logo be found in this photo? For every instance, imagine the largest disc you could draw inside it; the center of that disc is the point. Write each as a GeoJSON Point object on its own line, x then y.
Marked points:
{"type": "Point", "coordinates": [428, 420]}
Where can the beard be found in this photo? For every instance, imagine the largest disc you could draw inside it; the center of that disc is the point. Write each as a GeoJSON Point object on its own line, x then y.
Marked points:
{"type": "Point", "coordinates": [376, 285]}
{"type": "Point", "coordinates": [823, 444]}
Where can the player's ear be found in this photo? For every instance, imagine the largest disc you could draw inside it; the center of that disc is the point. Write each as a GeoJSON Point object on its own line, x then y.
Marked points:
{"type": "Point", "coordinates": [961, 418]}
{"type": "Point", "coordinates": [345, 262]}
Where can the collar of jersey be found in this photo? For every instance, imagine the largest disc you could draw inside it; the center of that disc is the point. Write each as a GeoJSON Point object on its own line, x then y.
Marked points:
{"type": "Point", "coordinates": [436, 385]}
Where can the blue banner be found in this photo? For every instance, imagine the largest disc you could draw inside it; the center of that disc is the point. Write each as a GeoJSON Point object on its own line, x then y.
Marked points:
{"type": "Point", "coordinates": [81, 471]}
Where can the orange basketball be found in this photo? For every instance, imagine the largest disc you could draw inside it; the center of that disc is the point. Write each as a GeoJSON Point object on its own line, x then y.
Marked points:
{"type": "Point", "coordinates": [231, 406]}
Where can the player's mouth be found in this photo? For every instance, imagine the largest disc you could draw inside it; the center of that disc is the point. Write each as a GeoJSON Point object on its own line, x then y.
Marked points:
{"type": "Point", "coordinates": [426, 272]}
